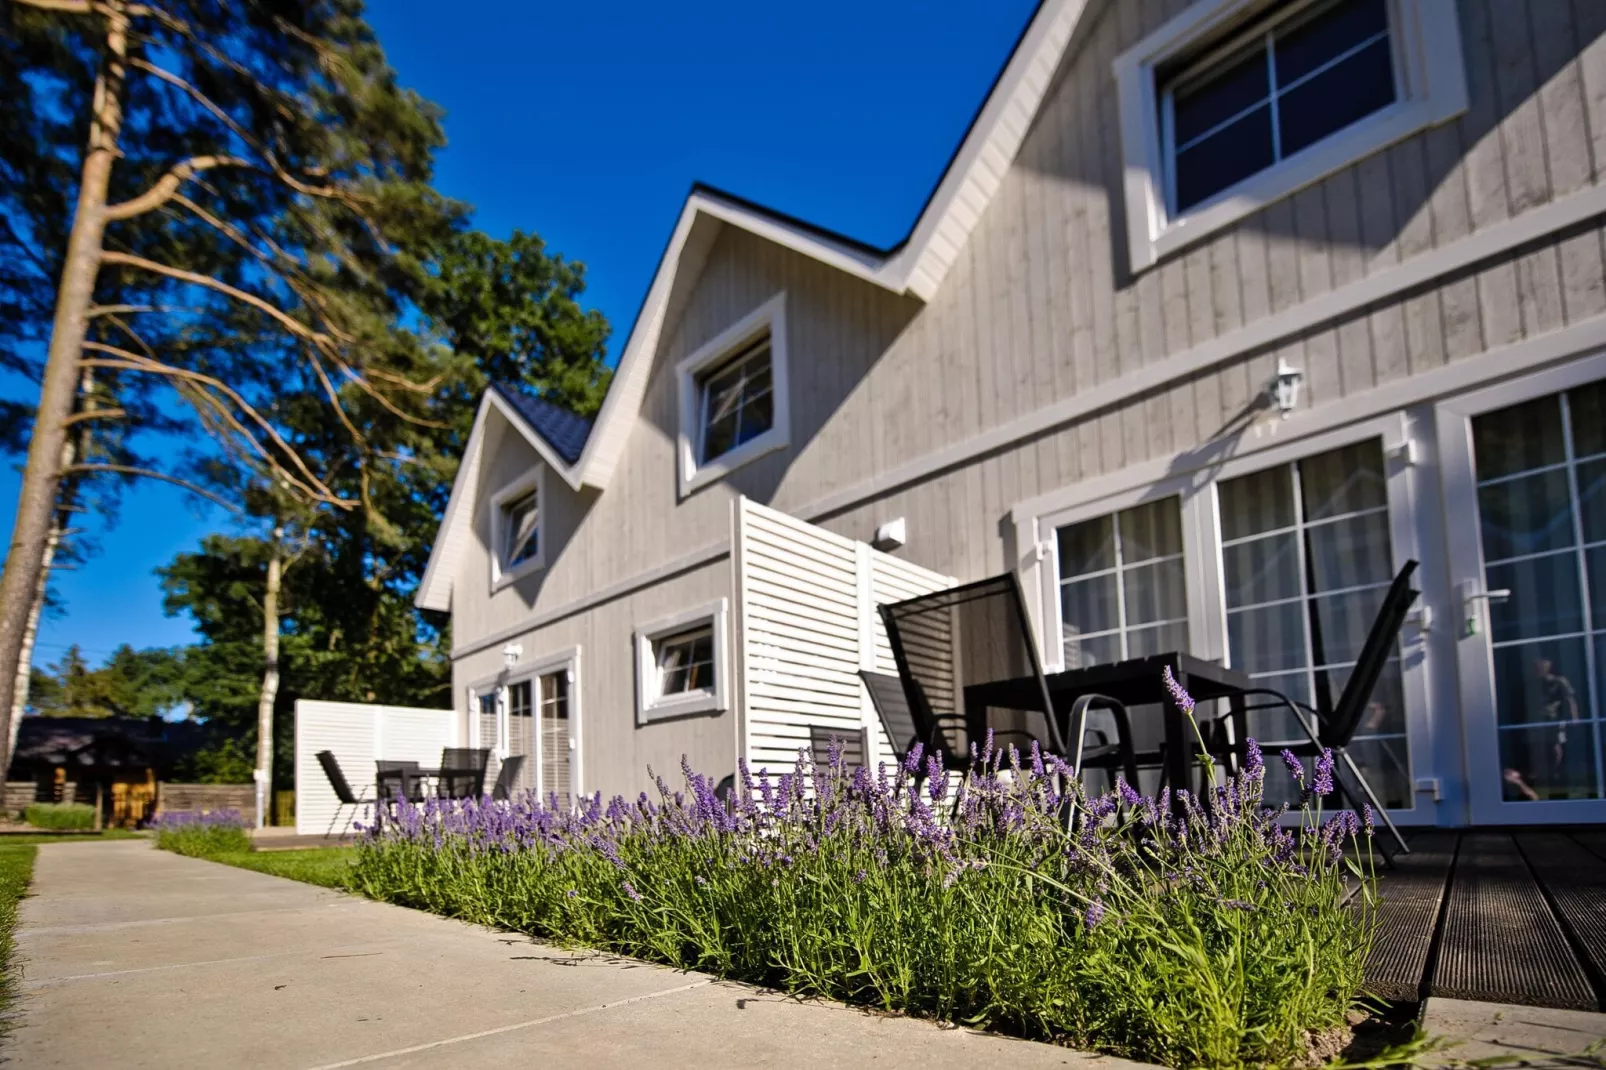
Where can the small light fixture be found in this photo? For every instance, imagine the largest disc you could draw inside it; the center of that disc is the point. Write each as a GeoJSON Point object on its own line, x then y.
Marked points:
{"type": "Point", "coordinates": [891, 535]}
{"type": "Point", "coordinates": [511, 654]}
{"type": "Point", "coordinates": [1284, 387]}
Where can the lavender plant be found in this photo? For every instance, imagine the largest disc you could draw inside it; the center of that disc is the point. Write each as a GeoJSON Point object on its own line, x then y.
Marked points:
{"type": "Point", "coordinates": [201, 834]}
{"type": "Point", "coordinates": [1205, 934]}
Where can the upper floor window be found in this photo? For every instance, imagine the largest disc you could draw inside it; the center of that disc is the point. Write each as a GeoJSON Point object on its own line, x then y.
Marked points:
{"type": "Point", "coordinates": [516, 528]}
{"type": "Point", "coordinates": [737, 400]}
{"type": "Point", "coordinates": [1281, 88]}
{"type": "Point", "coordinates": [733, 402]}
{"type": "Point", "coordinates": [1236, 103]}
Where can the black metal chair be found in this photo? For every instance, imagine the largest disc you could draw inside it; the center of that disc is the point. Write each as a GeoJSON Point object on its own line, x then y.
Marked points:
{"type": "Point", "coordinates": [391, 777]}
{"type": "Point", "coordinates": [343, 792]}
{"type": "Point", "coordinates": [975, 640]}
{"type": "Point", "coordinates": [463, 772]}
{"type": "Point", "coordinates": [507, 778]}
{"type": "Point", "coordinates": [855, 746]}
{"type": "Point", "coordinates": [909, 723]}
{"type": "Point", "coordinates": [1331, 725]}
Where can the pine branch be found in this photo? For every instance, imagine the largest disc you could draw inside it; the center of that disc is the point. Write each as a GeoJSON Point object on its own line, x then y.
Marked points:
{"type": "Point", "coordinates": [151, 473]}
{"type": "Point", "coordinates": [94, 414]}
{"type": "Point", "coordinates": [167, 186]}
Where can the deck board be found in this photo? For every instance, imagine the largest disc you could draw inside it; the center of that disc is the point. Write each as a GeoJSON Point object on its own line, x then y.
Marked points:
{"type": "Point", "coordinates": [1576, 880]}
{"type": "Point", "coordinates": [1501, 943]}
{"type": "Point", "coordinates": [1408, 911]}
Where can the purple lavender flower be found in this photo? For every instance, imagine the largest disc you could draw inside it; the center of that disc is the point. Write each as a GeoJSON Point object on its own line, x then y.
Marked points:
{"type": "Point", "coordinates": [1094, 913]}
{"type": "Point", "coordinates": [1179, 694]}
{"type": "Point", "coordinates": [1129, 794]}
{"type": "Point", "coordinates": [1366, 818]}
{"type": "Point", "coordinates": [1295, 769]}
{"type": "Point", "coordinates": [1254, 761]}
{"type": "Point", "coordinates": [1323, 783]}
{"type": "Point", "coordinates": [630, 890]}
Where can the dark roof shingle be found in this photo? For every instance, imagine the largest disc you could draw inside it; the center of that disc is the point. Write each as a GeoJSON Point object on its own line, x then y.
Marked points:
{"type": "Point", "coordinates": [563, 430]}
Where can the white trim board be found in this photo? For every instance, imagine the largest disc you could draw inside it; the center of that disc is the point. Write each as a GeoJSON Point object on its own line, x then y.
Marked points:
{"type": "Point", "coordinates": [1264, 333]}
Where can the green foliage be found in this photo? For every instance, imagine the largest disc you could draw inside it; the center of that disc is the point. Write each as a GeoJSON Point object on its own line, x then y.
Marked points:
{"type": "Point", "coordinates": [131, 683]}
{"type": "Point", "coordinates": [329, 867]}
{"type": "Point", "coordinates": [229, 761]}
{"type": "Point", "coordinates": [16, 871]}
{"type": "Point", "coordinates": [60, 816]}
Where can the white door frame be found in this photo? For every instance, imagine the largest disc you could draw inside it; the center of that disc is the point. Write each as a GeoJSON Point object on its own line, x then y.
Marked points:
{"type": "Point", "coordinates": [568, 662]}
{"type": "Point", "coordinates": [1474, 658]}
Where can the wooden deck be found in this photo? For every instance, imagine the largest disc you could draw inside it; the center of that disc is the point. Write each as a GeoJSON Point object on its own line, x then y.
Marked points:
{"type": "Point", "coordinates": [1501, 915]}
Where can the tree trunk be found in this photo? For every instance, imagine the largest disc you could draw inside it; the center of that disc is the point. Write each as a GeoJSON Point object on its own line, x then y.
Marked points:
{"type": "Point", "coordinates": [270, 675]}
{"type": "Point", "coordinates": [42, 476]}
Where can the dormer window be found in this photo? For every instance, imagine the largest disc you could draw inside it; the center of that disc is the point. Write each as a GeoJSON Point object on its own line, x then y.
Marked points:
{"type": "Point", "coordinates": [517, 543]}
{"type": "Point", "coordinates": [737, 400]}
{"type": "Point", "coordinates": [1234, 104]}
{"type": "Point", "coordinates": [733, 405]}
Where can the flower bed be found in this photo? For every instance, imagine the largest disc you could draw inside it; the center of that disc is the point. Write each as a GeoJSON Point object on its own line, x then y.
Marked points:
{"type": "Point", "coordinates": [1217, 938]}
{"type": "Point", "coordinates": [201, 834]}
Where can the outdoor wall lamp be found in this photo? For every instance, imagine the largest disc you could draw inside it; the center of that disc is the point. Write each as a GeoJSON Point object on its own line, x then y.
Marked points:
{"type": "Point", "coordinates": [511, 654]}
{"type": "Point", "coordinates": [1284, 387]}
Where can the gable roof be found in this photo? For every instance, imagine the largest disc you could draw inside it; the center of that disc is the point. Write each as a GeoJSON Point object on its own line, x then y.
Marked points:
{"type": "Point", "coordinates": [915, 266]}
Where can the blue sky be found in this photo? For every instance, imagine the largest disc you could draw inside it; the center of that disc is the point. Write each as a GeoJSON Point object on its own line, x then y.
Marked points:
{"type": "Point", "coordinates": [587, 124]}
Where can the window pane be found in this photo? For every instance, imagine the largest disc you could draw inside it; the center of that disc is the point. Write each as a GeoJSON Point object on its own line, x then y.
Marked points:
{"type": "Point", "coordinates": [1155, 593]}
{"type": "Point", "coordinates": [1204, 104]}
{"type": "Point", "coordinates": [1148, 531]}
{"type": "Point", "coordinates": [1160, 639]}
{"type": "Point", "coordinates": [1080, 652]}
{"type": "Point", "coordinates": [1595, 566]}
{"type": "Point", "coordinates": [1270, 639]}
{"type": "Point", "coordinates": [1089, 605]}
{"type": "Point", "coordinates": [1345, 480]}
{"type": "Point", "coordinates": [1540, 682]}
{"type": "Point", "coordinates": [720, 437]}
{"type": "Point", "coordinates": [1526, 515]}
{"type": "Point", "coordinates": [1350, 553]}
{"type": "Point", "coordinates": [758, 416]}
{"type": "Point", "coordinates": [1592, 499]}
{"type": "Point", "coordinates": [1087, 547]}
{"type": "Point", "coordinates": [518, 699]}
{"type": "Point", "coordinates": [1555, 762]}
{"type": "Point", "coordinates": [1276, 723]}
{"type": "Point", "coordinates": [1262, 570]}
{"type": "Point", "coordinates": [1385, 763]}
{"type": "Point", "coordinates": [1385, 711]}
{"type": "Point", "coordinates": [1586, 408]}
{"type": "Point", "coordinates": [1340, 623]}
{"type": "Point", "coordinates": [1545, 598]}
{"type": "Point", "coordinates": [1225, 158]}
{"type": "Point", "coordinates": [1344, 93]}
{"type": "Point", "coordinates": [1262, 501]}
{"type": "Point", "coordinates": [1519, 438]}
{"type": "Point", "coordinates": [1307, 45]}
{"type": "Point", "coordinates": [521, 530]}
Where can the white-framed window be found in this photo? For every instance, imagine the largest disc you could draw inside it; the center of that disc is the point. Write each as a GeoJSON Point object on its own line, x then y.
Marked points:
{"type": "Point", "coordinates": [1237, 103]}
{"type": "Point", "coordinates": [681, 664]}
{"type": "Point", "coordinates": [532, 711]}
{"type": "Point", "coordinates": [518, 528]}
{"type": "Point", "coordinates": [733, 397]}
{"type": "Point", "coordinates": [1122, 584]}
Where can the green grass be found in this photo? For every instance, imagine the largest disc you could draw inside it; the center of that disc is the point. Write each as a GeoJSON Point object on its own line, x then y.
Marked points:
{"type": "Point", "coordinates": [17, 839]}
{"type": "Point", "coordinates": [326, 866]}
{"type": "Point", "coordinates": [60, 816]}
{"type": "Point", "coordinates": [16, 870]}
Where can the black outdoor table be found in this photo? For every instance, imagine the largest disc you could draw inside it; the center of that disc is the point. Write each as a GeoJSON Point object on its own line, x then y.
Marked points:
{"type": "Point", "coordinates": [1134, 682]}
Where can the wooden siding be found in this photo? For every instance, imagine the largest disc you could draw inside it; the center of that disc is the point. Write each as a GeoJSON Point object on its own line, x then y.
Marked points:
{"type": "Point", "coordinates": [1039, 308]}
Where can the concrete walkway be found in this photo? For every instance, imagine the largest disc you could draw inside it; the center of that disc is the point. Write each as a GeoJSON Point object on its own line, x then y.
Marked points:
{"type": "Point", "coordinates": [134, 957]}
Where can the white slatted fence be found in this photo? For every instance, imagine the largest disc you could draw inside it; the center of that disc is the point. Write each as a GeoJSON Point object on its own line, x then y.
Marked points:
{"type": "Point", "coordinates": [359, 735]}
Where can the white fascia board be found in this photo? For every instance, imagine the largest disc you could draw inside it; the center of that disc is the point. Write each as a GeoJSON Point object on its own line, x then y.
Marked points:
{"type": "Point", "coordinates": [1000, 129]}
{"type": "Point", "coordinates": [457, 524]}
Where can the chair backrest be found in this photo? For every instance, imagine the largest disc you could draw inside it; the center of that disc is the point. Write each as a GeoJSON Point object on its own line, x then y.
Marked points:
{"type": "Point", "coordinates": [337, 779]}
{"type": "Point", "coordinates": [507, 776]}
{"type": "Point", "coordinates": [955, 645]}
{"type": "Point", "coordinates": [404, 774]}
{"type": "Point", "coordinates": [1338, 725]}
{"type": "Point", "coordinates": [855, 746]}
{"type": "Point", "coordinates": [892, 706]}
{"type": "Point", "coordinates": [465, 757]}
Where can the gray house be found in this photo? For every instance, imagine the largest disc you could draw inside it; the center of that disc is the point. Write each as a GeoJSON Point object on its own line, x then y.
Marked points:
{"type": "Point", "coordinates": [1220, 313]}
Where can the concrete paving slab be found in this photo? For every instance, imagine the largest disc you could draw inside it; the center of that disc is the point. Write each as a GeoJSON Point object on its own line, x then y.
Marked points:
{"type": "Point", "coordinates": [177, 974]}
{"type": "Point", "coordinates": [1539, 1036]}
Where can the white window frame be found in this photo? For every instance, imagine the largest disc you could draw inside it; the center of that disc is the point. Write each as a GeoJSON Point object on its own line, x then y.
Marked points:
{"type": "Point", "coordinates": [533, 480]}
{"type": "Point", "coordinates": [567, 661]}
{"type": "Point", "coordinates": [770, 317]}
{"type": "Point", "coordinates": [650, 706]}
{"type": "Point", "coordinates": [1430, 80]}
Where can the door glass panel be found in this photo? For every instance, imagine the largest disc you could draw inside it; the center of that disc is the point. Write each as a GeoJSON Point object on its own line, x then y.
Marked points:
{"type": "Point", "coordinates": [487, 718]}
{"type": "Point", "coordinates": [1308, 557]}
{"type": "Point", "coordinates": [1541, 508]}
{"type": "Point", "coordinates": [555, 756]}
{"type": "Point", "coordinates": [1123, 586]}
{"type": "Point", "coordinates": [520, 735]}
